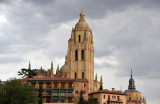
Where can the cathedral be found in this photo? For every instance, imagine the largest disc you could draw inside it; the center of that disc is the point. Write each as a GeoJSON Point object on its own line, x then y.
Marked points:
{"type": "Point", "coordinates": [77, 74]}
{"type": "Point", "coordinates": [79, 61]}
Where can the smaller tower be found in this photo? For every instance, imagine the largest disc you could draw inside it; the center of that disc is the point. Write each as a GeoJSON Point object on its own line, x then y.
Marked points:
{"type": "Point", "coordinates": [101, 81]}
{"type": "Point", "coordinates": [96, 77]}
{"type": "Point", "coordinates": [29, 70]}
{"type": "Point", "coordinates": [131, 82]}
{"type": "Point", "coordinates": [57, 69]}
{"type": "Point", "coordinates": [51, 68]}
{"type": "Point", "coordinates": [133, 96]}
{"type": "Point", "coordinates": [29, 66]}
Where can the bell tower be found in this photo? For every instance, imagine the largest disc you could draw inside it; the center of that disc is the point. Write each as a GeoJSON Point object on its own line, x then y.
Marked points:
{"type": "Point", "coordinates": [80, 54]}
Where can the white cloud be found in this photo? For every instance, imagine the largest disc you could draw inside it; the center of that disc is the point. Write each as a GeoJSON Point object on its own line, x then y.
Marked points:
{"type": "Point", "coordinates": [126, 35]}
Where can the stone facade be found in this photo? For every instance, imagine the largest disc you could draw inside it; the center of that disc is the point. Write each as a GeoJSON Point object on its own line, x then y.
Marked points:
{"type": "Point", "coordinates": [78, 68]}
{"type": "Point", "coordinates": [59, 90]}
{"type": "Point", "coordinates": [109, 97]}
{"type": "Point", "coordinates": [79, 61]}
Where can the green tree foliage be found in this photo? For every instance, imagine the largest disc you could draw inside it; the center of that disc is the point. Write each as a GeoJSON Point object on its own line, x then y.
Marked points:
{"type": "Point", "coordinates": [81, 99]}
{"type": "Point", "coordinates": [101, 88]}
{"type": "Point", "coordinates": [14, 92]}
{"type": "Point", "coordinates": [26, 73]}
{"type": "Point", "coordinates": [90, 101]}
{"type": "Point", "coordinates": [40, 96]}
{"type": "Point", "coordinates": [93, 101]}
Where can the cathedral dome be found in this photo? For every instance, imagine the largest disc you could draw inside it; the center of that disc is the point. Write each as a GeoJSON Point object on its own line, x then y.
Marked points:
{"type": "Point", "coordinates": [82, 23]}
{"type": "Point", "coordinates": [64, 69]}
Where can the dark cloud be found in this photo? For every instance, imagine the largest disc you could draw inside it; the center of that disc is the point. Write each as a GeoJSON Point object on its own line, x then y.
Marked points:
{"type": "Point", "coordinates": [38, 30]}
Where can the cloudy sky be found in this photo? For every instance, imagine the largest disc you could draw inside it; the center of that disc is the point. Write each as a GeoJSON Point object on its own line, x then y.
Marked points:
{"type": "Point", "coordinates": [126, 36]}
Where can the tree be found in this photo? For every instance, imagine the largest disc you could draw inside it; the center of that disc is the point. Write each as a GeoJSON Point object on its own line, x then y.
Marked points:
{"type": "Point", "coordinates": [101, 88]}
{"type": "Point", "coordinates": [15, 92]}
{"type": "Point", "coordinates": [93, 101]}
{"type": "Point", "coordinates": [26, 73]}
{"type": "Point", "coordinates": [81, 99]}
{"type": "Point", "coordinates": [90, 101]}
{"type": "Point", "coordinates": [2, 93]}
{"type": "Point", "coordinates": [40, 96]}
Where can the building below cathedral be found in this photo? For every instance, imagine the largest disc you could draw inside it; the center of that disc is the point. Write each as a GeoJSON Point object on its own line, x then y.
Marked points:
{"type": "Point", "coordinates": [78, 74]}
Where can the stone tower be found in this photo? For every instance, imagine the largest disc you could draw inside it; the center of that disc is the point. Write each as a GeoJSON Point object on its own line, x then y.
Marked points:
{"type": "Point", "coordinates": [79, 61]}
{"type": "Point", "coordinates": [133, 96]}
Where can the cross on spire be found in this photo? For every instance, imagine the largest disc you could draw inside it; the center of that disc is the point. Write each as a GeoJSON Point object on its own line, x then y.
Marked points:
{"type": "Point", "coordinates": [82, 16]}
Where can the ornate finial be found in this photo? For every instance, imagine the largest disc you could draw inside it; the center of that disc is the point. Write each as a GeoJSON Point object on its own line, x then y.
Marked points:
{"type": "Point", "coordinates": [51, 67]}
{"type": "Point", "coordinates": [101, 79]}
{"type": "Point", "coordinates": [96, 77]}
{"type": "Point", "coordinates": [29, 67]}
{"type": "Point", "coordinates": [131, 73]}
{"type": "Point", "coordinates": [57, 69]}
{"type": "Point", "coordinates": [82, 16]}
{"type": "Point", "coordinates": [51, 64]}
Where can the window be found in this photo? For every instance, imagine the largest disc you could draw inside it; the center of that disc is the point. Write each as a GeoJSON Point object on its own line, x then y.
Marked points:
{"type": "Point", "coordinates": [75, 75]}
{"type": "Point", "coordinates": [113, 97]}
{"type": "Point", "coordinates": [118, 98]}
{"type": "Point", "coordinates": [76, 55]}
{"type": "Point", "coordinates": [62, 85]}
{"type": "Point", "coordinates": [79, 38]}
{"type": "Point", "coordinates": [48, 86]}
{"type": "Point", "coordinates": [76, 84]}
{"type": "Point", "coordinates": [82, 54]}
{"type": "Point", "coordinates": [104, 96]}
{"type": "Point", "coordinates": [109, 97]}
{"type": "Point", "coordinates": [76, 99]}
{"type": "Point", "coordinates": [82, 75]}
{"type": "Point", "coordinates": [84, 85]}
{"type": "Point", "coordinates": [69, 94]}
{"type": "Point", "coordinates": [77, 92]}
{"type": "Point", "coordinates": [55, 94]}
{"type": "Point", "coordinates": [62, 94]}
{"type": "Point", "coordinates": [129, 98]}
{"type": "Point", "coordinates": [55, 85]}
{"type": "Point", "coordinates": [69, 85]}
{"type": "Point", "coordinates": [84, 92]}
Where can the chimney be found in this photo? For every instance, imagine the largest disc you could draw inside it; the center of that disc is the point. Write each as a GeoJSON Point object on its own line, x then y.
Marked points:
{"type": "Point", "coordinates": [113, 89]}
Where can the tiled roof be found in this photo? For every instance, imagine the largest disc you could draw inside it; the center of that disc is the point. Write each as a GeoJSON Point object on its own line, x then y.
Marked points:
{"type": "Point", "coordinates": [53, 79]}
{"type": "Point", "coordinates": [106, 91]}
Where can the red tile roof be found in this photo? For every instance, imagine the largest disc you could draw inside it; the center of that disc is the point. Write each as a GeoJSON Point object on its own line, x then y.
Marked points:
{"type": "Point", "coordinates": [53, 79]}
{"type": "Point", "coordinates": [108, 92]}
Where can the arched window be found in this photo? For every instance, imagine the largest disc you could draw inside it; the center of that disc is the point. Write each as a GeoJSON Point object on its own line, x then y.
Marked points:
{"type": "Point", "coordinates": [79, 38]}
{"type": "Point", "coordinates": [76, 55]}
{"type": "Point", "coordinates": [82, 75]}
{"type": "Point", "coordinates": [82, 54]}
{"type": "Point", "coordinates": [75, 75]}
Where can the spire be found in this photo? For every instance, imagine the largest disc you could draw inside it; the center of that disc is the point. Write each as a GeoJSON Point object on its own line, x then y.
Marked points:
{"type": "Point", "coordinates": [96, 77]}
{"type": "Point", "coordinates": [29, 66]}
{"type": "Point", "coordinates": [41, 68]}
{"type": "Point", "coordinates": [82, 16]}
{"type": "Point", "coordinates": [131, 73]}
{"type": "Point", "coordinates": [101, 79]}
{"type": "Point", "coordinates": [51, 68]}
{"type": "Point", "coordinates": [57, 69]}
{"type": "Point", "coordinates": [131, 82]}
